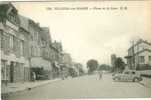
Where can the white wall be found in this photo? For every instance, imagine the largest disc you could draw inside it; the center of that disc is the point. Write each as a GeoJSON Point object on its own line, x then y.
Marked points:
{"type": "Point", "coordinates": [146, 54]}
{"type": "Point", "coordinates": [142, 46]}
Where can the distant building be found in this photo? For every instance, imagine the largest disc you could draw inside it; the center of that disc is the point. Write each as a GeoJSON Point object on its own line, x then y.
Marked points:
{"type": "Point", "coordinates": [79, 69]}
{"type": "Point", "coordinates": [56, 57]}
{"type": "Point", "coordinates": [67, 60]}
{"type": "Point", "coordinates": [58, 51]}
{"type": "Point", "coordinates": [139, 55]}
{"type": "Point", "coordinates": [45, 40]}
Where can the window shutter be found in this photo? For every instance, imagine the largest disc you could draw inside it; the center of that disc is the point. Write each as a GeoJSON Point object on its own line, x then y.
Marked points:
{"type": "Point", "coordinates": [7, 49]}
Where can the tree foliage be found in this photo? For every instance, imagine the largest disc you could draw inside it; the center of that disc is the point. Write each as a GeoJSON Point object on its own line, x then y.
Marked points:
{"type": "Point", "coordinates": [119, 64]}
{"type": "Point", "coordinates": [92, 65]}
{"type": "Point", "coordinates": [104, 67]}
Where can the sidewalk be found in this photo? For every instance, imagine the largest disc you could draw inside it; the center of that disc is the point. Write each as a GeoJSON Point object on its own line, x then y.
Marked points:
{"type": "Point", "coordinates": [18, 87]}
{"type": "Point", "coordinates": [146, 82]}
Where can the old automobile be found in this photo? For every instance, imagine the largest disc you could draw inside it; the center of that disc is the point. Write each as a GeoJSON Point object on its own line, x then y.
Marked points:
{"type": "Point", "coordinates": [129, 75]}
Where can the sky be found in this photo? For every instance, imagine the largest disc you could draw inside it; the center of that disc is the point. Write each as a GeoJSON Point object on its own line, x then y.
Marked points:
{"type": "Point", "coordinates": [92, 34]}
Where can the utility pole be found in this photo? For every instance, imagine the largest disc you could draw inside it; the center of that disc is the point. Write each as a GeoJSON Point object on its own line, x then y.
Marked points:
{"type": "Point", "coordinates": [133, 53]}
{"type": "Point", "coordinates": [137, 56]}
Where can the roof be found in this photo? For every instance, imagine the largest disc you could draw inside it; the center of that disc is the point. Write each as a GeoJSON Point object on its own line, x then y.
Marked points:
{"type": "Point", "coordinates": [55, 49]}
{"type": "Point", "coordinates": [143, 51]}
{"type": "Point", "coordinates": [127, 57]}
{"type": "Point", "coordinates": [4, 2]}
{"type": "Point", "coordinates": [7, 6]}
{"type": "Point", "coordinates": [142, 41]}
{"type": "Point", "coordinates": [45, 34]}
{"type": "Point", "coordinates": [24, 22]}
{"type": "Point", "coordinates": [139, 42]}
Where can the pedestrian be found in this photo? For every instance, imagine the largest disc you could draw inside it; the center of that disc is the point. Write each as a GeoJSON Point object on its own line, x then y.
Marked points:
{"type": "Point", "coordinates": [100, 75]}
{"type": "Point", "coordinates": [34, 76]}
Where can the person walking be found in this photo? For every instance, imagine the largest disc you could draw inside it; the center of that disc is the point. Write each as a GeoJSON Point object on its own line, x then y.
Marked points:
{"type": "Point", "coordinates": [33, 76]}
{"type": "Point", "coordinates": [100, 75]}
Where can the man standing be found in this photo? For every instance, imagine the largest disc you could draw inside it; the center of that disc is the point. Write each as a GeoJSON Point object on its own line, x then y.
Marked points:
{"type": "Point", "coordinates": [100, 75]}
{"type": "Point", "coordinates": [33, 76]}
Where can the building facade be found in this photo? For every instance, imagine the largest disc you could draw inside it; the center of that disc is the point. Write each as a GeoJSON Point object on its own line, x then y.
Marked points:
{"type": "Point", "coordinates": [26, 48]}
{"type": "Point", "coordinates": [139, 55]}
{"type": "Point", "coordinates": [69, 65]}
{"type": "Point", "coordinates": [40, 51]}
{"type": "Point", "coordinates": [56, 58]}
{"type": "Point", "coordinates": [45, 51]}
{"type": "Point", "coordinates": [14, 61]}
{"type": "Point", "coordinates": [67, 60]}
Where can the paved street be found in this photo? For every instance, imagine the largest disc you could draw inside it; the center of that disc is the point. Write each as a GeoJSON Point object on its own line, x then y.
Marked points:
{"type": "Point", "coordinates": [85, 87]}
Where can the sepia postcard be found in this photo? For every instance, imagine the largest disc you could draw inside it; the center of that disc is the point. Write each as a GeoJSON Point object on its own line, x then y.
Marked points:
{"type": "Point", "coordinates": [75, 49]}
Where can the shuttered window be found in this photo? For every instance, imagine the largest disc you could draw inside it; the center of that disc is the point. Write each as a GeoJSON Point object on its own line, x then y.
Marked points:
{"type": "Point", "coordinates": [1, 39]}
{"type": "Point", "coordinates": [21, 47]}
{"type": "Point", "coordinates": [11, 42]}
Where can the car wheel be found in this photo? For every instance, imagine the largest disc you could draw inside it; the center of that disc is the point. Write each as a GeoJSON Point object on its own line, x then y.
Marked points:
{"type": "Point", "coordinates": [135, 80]}
{"type": "Point", "coordinates": [116, 78]}
{"type": "Point", "coordinates": [140, 79]}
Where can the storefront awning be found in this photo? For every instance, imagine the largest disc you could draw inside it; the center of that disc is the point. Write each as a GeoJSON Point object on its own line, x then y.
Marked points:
{"type": "Point", "coordinates": [40, 62]}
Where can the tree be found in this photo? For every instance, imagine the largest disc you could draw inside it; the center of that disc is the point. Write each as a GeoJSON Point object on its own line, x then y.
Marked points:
{"type": "Point", "coordinates": [92, 65]}
{"type": "Point", "coordinates": [104, 67]}
{"type": "Point", "coordinates": [119, 64]}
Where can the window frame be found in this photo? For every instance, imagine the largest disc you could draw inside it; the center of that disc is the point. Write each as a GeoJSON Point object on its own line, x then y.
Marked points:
{"type": "Point", "coordinates": [149, 58]}
{"type": "Point", "coordinates": [142, 59]}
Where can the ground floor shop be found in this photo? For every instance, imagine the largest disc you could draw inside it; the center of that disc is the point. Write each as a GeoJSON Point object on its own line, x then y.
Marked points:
{"type": "Point", "coordinates": [14, 71]}
{"type": "Point", "coordinates": [41, 69]}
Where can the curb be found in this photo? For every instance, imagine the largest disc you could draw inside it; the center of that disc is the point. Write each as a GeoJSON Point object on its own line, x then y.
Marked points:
{"type": "Point", "coordinates": [3, 95]}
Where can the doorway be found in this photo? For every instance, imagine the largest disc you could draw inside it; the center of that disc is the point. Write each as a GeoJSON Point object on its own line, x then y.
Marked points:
{"type": "Point", "coordinates": [12, 72]}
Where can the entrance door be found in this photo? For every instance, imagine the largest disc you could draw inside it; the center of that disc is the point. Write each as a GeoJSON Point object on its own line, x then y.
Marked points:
{"type": "Point", "coordinates": [12, 72]}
